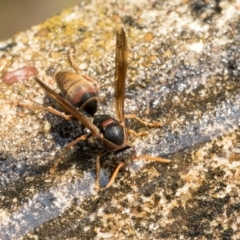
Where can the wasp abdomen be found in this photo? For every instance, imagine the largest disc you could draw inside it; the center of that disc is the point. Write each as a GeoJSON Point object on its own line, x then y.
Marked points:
{"type": "Point", "coordinates": [78, 91]}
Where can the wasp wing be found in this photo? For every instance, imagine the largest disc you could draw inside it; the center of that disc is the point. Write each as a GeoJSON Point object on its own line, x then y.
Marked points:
{"type": "Point", "coordinates": [120, 73]}
{"type": "Point", "coordinates": [69, 108]}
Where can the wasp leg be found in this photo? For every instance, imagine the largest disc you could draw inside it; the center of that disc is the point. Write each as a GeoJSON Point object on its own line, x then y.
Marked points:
{"type": "Point", "coordinates": [98, 168]}
{"type": "Point", "coordinates": [114, 175]}
{"type": "Point", "coordinates": [72, 62]}
{"type": "Point", "coordinates": [49, 109]}
{"type": "Point", "coordinates": [130, 131]}
{"type": "Point", "coordinates": [157, 159]}
{"type": "Point", "coordinates": [153, 124]}
{"type": "Point", "coordinates": [79, 70]}
{"type": "Point", "coordinates": [66, 148]}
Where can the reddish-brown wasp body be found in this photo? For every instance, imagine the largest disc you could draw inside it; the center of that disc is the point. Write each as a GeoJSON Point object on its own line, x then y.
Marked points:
{"type": "Point", "coordinates": [111, 133]}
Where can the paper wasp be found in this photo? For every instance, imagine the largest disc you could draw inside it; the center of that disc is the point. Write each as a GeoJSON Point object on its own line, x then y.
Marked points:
{"type": "Point", "coordinates": [111, 133]}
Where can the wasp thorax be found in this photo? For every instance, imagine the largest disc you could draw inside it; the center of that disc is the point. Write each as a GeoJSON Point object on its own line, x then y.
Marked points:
{"type": "Point", "coordinates": [80, 92]}
{"type": "Point", "coordinates": [110, 128]}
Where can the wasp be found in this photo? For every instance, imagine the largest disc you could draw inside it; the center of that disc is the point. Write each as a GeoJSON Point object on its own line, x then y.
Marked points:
{"type": "Point", "coordinates": [110, 132]}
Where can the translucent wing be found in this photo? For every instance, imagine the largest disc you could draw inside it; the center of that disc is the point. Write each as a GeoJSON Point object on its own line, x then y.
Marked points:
{"type": "Point", "coordinates": [69, 108]}
{"type": "Point", "coordinates": [120, 73]}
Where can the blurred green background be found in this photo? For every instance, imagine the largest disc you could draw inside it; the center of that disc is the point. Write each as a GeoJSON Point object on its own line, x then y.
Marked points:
{"type": "Point", "coordinates": [19, 15]}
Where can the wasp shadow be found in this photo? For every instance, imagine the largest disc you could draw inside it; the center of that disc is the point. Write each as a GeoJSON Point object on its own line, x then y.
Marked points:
{"type": "Point", "coordinates": [65, 131]}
